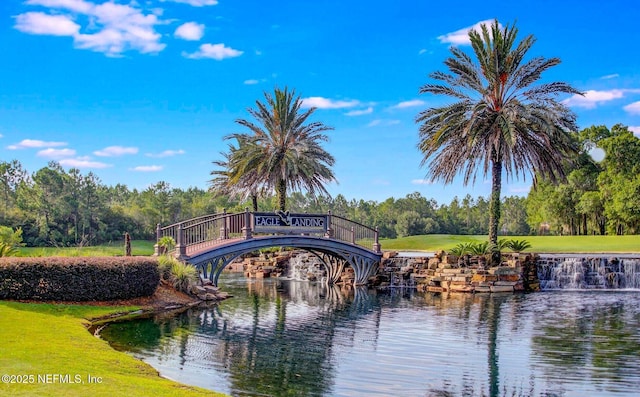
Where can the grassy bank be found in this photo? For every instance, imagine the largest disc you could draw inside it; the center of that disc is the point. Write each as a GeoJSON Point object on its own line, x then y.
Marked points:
{"type": "Point", "coordinates": [48, 347]}
{"type": "Point", "coordinates": [540, 244]}
{"type": "Point", "coordinates": [138, 247]}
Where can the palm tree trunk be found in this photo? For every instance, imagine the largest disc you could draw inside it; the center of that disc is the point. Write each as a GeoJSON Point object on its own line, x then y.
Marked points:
{"type": "Point", "coordinates": [254, 202]}
{"type": "Point", "coordinates": [282, 193]}
{"type": "Point", "coordinates": [494, 209]}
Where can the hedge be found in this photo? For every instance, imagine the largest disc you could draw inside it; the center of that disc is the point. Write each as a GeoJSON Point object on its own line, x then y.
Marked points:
{"type": "Point", "coordinates": [78, 279]}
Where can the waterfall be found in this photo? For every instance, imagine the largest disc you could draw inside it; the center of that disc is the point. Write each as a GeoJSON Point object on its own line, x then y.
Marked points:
{"type": "Point", "coordinates": [588, 273]}
{"type": "Point", "coordinates": [305, 267]}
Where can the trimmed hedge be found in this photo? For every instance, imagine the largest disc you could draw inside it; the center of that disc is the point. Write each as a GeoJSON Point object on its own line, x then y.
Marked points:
{"type": "Point", "coordinates": [78, 279]}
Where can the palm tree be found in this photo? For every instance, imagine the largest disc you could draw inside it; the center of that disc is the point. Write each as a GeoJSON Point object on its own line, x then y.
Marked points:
{"type": "Point", "coordinates": [500, 121]}
{"type": "Point", "coordinates": [232, 178]}
{"type": "Point", "coordinates": [282, 151]}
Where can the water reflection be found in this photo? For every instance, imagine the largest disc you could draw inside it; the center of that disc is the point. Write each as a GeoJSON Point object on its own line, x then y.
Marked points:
{"type": "Point", "coordinates": [281, 338]}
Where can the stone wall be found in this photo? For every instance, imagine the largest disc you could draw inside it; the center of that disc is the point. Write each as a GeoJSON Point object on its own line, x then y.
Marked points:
{"type": "Point", "coordinates": [439, 273]}
{"type": "Point", "coordinates": [447, 273]}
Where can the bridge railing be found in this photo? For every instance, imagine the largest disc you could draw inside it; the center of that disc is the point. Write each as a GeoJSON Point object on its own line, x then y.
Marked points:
{"type": "Point", "coordinates": [210, 230]}
{"type": "Point", "coordinates": [204, 231]}
{"type": "Point", "coordinates": [353, 232]}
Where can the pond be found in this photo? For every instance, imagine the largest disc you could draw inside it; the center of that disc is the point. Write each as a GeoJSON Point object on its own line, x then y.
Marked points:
{"type": "Point", "coordinates": [290, 338]}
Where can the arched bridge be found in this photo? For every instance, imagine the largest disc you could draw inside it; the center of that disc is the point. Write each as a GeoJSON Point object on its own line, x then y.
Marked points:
{"type": "Point", "coordinates": [212, 242]}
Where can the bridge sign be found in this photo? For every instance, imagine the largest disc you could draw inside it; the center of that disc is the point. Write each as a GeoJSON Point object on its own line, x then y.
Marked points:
{"type": "Point", "coordinates": [285, 222]}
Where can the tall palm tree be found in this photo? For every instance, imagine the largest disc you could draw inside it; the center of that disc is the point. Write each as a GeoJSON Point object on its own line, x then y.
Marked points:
{"type": "Point", "coordinates": [501, 120]}
{"type": "Point", "coordinates": [283, 150]}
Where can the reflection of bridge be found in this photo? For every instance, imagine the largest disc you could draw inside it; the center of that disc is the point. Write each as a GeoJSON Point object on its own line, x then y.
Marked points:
{"type": "Point", "coordinates": [211, 242]}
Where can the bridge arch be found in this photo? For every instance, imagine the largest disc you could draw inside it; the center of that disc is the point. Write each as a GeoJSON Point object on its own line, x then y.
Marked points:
{"type": "Point", "coordinates": [211, 242]}
{"type": "Point", "coordinates": [334, 254]}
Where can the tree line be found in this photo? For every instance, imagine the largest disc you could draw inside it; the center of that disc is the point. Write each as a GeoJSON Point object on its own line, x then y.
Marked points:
{"type": "Point", "coordinates": [56, 207]}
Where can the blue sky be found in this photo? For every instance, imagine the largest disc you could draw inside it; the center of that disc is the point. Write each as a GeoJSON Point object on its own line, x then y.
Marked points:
{"type": "Point", "coordinates": [143, 91]}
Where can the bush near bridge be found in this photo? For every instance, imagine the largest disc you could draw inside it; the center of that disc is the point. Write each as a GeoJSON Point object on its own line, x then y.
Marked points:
{"type": "Point", "coordinates": [78, 279]}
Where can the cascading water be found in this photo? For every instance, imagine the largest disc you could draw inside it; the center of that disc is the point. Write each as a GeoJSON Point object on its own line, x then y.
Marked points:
{"type": "Point", "coordinates": [588, 273]}
{"type": "Point", "coordinates": [305, 267]}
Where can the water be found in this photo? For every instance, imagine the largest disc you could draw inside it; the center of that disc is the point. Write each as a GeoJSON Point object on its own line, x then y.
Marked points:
{"type": "Point", "coordinates": [589, 273]}
{"type": "Point", "coordinates": [288, 338]}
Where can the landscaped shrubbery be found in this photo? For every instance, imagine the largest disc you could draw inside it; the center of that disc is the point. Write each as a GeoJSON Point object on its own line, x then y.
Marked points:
{"type": "Point", "coordinates": [78, 279]}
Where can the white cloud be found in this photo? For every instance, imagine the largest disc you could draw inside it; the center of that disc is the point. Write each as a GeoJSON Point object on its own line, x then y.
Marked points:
{"type": "Point", "coordinates": [326, 103]}
{"type": "Point", "coordinates": [147, 168]}
{"type": "Point", "coordinates": [409, 104]}
{"type": "Point", "coordinates": [462, 36]}
{"type": "Point", "coordinates": [635, 129]}
{"type": "Point", "coordinates": [83, 163]}
{"type": "Point", "coordinates": [213, 51]}
{"type": "Point", "coordinates": [1, 136]}
{"type": "Point", "coordinates": [383, 122]}
{"type": "Point", "coordinates": [633, 108]}
{"type": "Point", "coordinates": [196, 3]}
{"type": "Point", "coordinates": [190, 31]}
{"type": "Point", "coordinates": [166, 153]}
{"type": "Point", "coordinates": [35, 143]}
{"type": "Point", "coordinates": [56, 153]}
{"type": "Point", "coordinates": [79, 6]}
{"type": "Point", "coordinates": [421, 182]}
{"type": "Point", "coordinates": [593, 98]}
{"type": "Point", "coordinates": [41, 23]}
{"type": "Point", "coordinates": [251, 82]}
{"type": "Point", "coordinates": [115, 151]}
{"type": "Point", "coordinates": [610, 76]}
{"type": "Point", "coordinates": [111, 28]}
{"type": "Point", "coordinates": [368, 110]}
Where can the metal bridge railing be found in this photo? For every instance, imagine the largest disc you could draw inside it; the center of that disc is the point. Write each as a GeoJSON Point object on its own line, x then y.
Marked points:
{"type": "Point", "coordinates": [210, 230]}
{"type": "Point", "coordinates": [353, 232]}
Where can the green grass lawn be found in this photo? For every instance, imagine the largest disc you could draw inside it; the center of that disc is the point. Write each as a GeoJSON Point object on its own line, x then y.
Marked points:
{"type": "Point", "coordinates": [138, 247]}
{"type": "Point", "coordinates": [51, 344]}
{"type": "Point", "coordinates": [539, 244]}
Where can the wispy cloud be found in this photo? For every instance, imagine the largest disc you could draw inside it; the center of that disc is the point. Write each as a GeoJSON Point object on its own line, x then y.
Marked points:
{"type": "Point", "coordinates": [610, 76]}
{"type": "Point", "coordinates": [635, 129]}
{"type": "Point", "coordinates": [83, 162]}
{"type": "Point", "coordinates": [166, 153]}
{"type": "Point", "coordinates": [147, 168]}
{"type": "Point", "coordinates": [383, 122]}
{"type": "Point", "coordinates": [190, 31]}
{"type": "Point", "coordinates": [196, 3]}
{"type": "Point", "coordinates": [461, 37]}
{"type": "Point", "coordinates": [326, 103]}
{"type": "Point", "coordinates": [593, 98]}
{"type": "Point", "coordinates": [409, 104]}
{"type": "Point", "coordinates": [35, 144]}
{"type": "Point", "coordinates": [633, 108]}
{"type": "Point", "coordinates": [110, 28]}
{"type": "Point", "coordinates": [213, 51]}
{"type": "Point", "coordinates": [251, 82]}
{"type": "Point", "coordinates": [56, 153]}
{"type": "Point", "coordinates": [421, 182]}
{"type": "Point", "coordinates": [361, 112]}
{"type": "Point", "coordinates": [115, 151]}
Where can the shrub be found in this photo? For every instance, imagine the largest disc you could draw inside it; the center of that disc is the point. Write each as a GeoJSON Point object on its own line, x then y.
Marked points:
{"type": "Point", "coordinates": [183, 276]}
{"type": "Point", "coordinates": [517, 245]}
{"type": "Point", "coordinates": [7, 250]}
{"type": "Point", "coordinates": [165, 263]}
{"type": "Point", "coordinates": [480, 248]}
{"type": "Point", "coordinates": [461, 249]}
{"type": "Point", "coordinates": [78, 279]}
{"type": "Point", "coordinates": [167, 244]}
